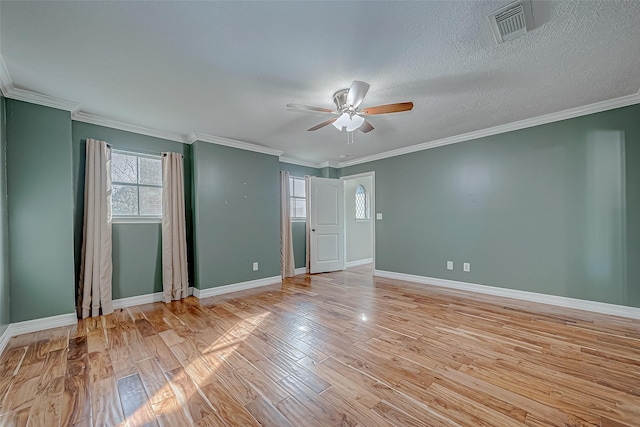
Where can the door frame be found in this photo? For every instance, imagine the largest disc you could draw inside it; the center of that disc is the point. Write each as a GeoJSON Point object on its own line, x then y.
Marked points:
{"type": "Point", "coordinates": [372, 207]}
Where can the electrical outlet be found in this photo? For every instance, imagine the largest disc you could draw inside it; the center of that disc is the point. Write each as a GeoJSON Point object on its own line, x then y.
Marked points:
{"type": "Point", "coordinates": [466, 267]}
{"type": "Point", "coordinates": [379, 215]}
{"type": "Point", "coordinates": [449, 265]}
{"type": "Point", "coordinates": [255, 266]}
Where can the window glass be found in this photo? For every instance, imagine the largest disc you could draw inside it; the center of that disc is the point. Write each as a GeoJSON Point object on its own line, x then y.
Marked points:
{"type": "Point", "coordinates": [297, 202]}
{"type": "Point", "coordinates": [124, 168]}
{"type": "Point", "coordinates": [124, 200]}
{"type": "Point", "coordinates": [136, 185]}
{"type": "Point", "coordinates": [362, 204]}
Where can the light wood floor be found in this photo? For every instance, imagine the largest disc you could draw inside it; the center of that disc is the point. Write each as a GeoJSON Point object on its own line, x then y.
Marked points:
{"type": "Point", "coordinates": [339, 349]}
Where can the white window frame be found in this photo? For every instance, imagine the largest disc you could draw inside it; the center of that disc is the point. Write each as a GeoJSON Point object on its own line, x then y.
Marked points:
{"type": "Point", "coordinates": [293, 198]}
{"type": "Point", "coordinates": [367, 210]}
{"type": "Point", "coordinates": [136, 219]}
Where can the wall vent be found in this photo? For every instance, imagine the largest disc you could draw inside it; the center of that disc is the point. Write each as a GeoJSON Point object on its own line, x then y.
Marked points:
{"type": "Point", "coordinates": [512, 20]}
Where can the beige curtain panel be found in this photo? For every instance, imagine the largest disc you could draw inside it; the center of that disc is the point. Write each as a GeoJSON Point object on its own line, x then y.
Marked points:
{"type": "Point", "coordinates": [307, 192]}
{"type": "Point", "coordinates": [287, 262]}
{"type": "Point", "coordinates": [94, 290]}
{"type": "Point", "coordinates": [175, 279]}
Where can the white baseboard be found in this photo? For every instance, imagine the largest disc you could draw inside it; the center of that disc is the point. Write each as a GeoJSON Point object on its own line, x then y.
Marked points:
{"type": "Point", "coordinates": [36, 325]}
{"type": "Point", "coordinates": [137, 300]}
{"type": "Point", "coordinates": [578, 304]}
{"type": "Point", "coordinates": [142, 299]}
{"type": "Point", "coordinates": [301, 270]}
{"type": "Point", "coordinates": [4, 339]}
{"type": "Point", "coordinates": [359, 262]}
{"type": "Point", "coordinates": [235, 287]}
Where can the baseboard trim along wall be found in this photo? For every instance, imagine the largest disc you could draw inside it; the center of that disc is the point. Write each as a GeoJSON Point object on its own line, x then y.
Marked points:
{"type": "Point", "coordinates": [36, 325]}
{"type": "Point", "coordinates": [4, 339]}
{"type": "Point", "coordinates": [358, 262]}
{"type": "Point", "coordinates": [301, 270]}
{"type": "Point", "coordinates": [235, 287]}
{"type": "Point", "coordinates": [574, 303]}
{"type": "Point", "coordinates": [141, 299]}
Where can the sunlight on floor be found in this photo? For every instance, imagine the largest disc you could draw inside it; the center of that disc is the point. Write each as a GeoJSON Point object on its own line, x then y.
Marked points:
{"type": "Point", "coordinates": [202, 367]}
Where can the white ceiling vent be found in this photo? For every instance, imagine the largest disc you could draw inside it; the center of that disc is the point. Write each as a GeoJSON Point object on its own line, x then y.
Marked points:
{"type": "Point", "coordinates": [511, 21]}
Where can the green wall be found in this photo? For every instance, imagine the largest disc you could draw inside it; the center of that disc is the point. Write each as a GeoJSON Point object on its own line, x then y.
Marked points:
{"type": "Point", "coordinates": [553, 209]}
{"type": "Point", "coordinates": [137, 248]}
{"type": "Point", "coordinates": [40, 209]}
{"type": "Point", "coordinates": [329, 172]}
{"type": "Point", "coordinates": [298, 228]}
{"type": "Point", "coordinates": [4, 237]}
{"type": "Point", "coordinates": [236, 215]}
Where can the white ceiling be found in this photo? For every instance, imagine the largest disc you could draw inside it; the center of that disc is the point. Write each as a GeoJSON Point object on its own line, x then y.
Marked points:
{"type": "Point", "coordinates": [229, 68]}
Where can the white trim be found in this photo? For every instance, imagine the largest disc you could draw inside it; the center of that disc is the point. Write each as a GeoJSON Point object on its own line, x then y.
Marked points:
{"type": "Point", "coordinates": [135, 220]}
{"type": "Point", "coordinates": [623, 101]}
{"type": "Point", "coordinates": [93, 119]}
{"type": "Point", "coordinates": [36, 325]}
{"type": "Point", "coordinates": [142, 299]}
{"type": "Point", "coordinates": [40, 99]}
{"type": "Point", "coordinates": [291, 161]}
{"type": "Point", "coordinates": [4, 338]}
{"type": "Point", "coordinates": [235, 287]}
{"type": "Point", "coordinates": [193, 137]}
{"type": "Point", "coordinates": [359, 262]}
{"type": "Point", "coordinates": [574, 303]}
{"type": "Point", "coordinates": [6, 84]}
{"type": "Point", "coordinates": [301, 270]}
{"type": "Point", "coordinates": [137, 300]}
{"type": "Point", "coordinates": [9, 91]}
{"type": "Point", "coordinates": [329, 164]}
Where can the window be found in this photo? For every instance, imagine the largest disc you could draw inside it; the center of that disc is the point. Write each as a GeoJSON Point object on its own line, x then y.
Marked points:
{"type": "Point", "coordinates": [136, 185]}
{"type": "Point", "coordinates": [297, 201]}
{"type": "Point", "coordinates": [362, 203]}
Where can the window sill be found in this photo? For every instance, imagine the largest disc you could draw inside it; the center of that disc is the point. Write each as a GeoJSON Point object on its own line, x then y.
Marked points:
{"type": "Point", "coordinates": [298, 220]}
{"type": "Point", "coordinates": [135, 220]}
{"type": "Point", "coordinates": [363, 220]}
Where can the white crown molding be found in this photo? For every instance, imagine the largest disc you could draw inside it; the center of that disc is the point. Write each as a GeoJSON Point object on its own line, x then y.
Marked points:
{"type": "Point", "coordinates": [597, 107]}
{"type": "Point", "coordinates": [6, 84]}
{"type": "Point", "coordinates": [44, 100]}
{"type": "Point", "coordinates": [218, 140]}
{"type": "Point", "coordinates": [358, 262]}
{"type": "Point", "coordinates": [330, 164]}
{"type": "Point", "coordinates": [80, 116]}
{"type": "Point", "coordinates": [573, 303]}
{"type": "Point", "coordinates": [9, 91]}
{"type": "Point", "coordinates": [235, 287]}
{"type": "Point", "coordinates": [291, 161]}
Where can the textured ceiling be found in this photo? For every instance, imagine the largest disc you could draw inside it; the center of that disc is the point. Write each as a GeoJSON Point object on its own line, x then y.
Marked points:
{"type": "Point", "coordinates": [229, 68]}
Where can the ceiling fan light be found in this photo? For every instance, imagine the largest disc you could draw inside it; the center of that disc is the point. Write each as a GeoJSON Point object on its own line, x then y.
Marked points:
{"type": "Point", "coordinates": [343, 121]}
{"type": "Point", "coordinates": [355, 122]}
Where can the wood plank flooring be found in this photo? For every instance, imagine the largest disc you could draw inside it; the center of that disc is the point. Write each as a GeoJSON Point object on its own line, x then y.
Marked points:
{"type": "Point", "coordinates": [339, 349]}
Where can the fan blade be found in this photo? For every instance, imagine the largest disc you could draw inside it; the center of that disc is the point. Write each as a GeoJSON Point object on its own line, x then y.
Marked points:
{"type": "Point", "coordinates": [310, 108]}
{"type": "Point", "coordinates": [323, 124]}
{"type": "Point", "coordinates": [356, 94]}
{"type": "Point", "coordinates": [389, 108]}
{"type": "Point", "coordinates": [365, 127]}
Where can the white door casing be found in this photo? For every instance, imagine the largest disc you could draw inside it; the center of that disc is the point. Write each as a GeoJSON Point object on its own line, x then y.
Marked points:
{"type": "Point", "coordinates": [326, 218]}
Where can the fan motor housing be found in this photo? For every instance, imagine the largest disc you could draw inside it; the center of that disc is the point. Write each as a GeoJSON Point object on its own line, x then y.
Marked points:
{"type": "Point", "coordinates": [340, 98]}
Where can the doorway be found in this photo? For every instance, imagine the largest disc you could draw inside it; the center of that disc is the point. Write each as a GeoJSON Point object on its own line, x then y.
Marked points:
{"type": "Point", "coordinates": [359, 219]}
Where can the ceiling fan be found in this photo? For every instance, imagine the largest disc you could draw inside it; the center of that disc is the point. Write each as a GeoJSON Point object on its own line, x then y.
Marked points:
{"type": "Point", "coordinates": [349, 117]}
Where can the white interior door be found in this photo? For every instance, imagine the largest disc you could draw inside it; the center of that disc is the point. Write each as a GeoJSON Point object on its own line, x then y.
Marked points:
{"type": "Point", "coordinates": [326, 217]}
